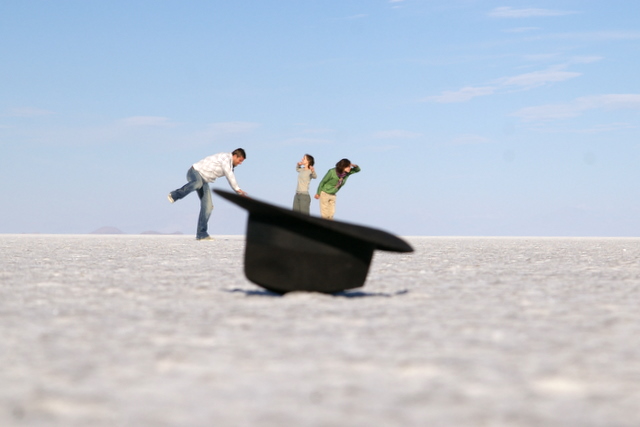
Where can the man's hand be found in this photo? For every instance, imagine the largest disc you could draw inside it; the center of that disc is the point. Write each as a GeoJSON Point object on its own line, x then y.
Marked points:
{"type": "Point", "coordinates": [242, 193]}
{"type": "Point", "coordinates": [317, 196]}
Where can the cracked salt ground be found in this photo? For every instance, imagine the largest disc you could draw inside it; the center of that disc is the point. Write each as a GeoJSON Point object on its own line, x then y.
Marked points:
{"type": "Point", "coordinates": [165, 331]}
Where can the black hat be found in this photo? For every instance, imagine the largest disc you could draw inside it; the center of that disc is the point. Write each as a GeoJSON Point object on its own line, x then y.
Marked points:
{"type": "Point", "coordinates": [290, 251]}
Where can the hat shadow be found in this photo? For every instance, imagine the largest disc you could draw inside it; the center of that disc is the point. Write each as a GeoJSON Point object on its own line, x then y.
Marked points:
{"type": "Point", "coordinates": [341, 294]}
{"type": "Point", "coordinates": [363, 294]}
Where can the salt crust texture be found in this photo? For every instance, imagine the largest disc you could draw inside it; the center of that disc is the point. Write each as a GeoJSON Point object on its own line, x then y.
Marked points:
{"type": "Point", "coordinates": [166, 331]}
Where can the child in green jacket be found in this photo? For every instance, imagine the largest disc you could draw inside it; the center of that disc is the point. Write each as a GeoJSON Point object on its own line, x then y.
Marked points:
{"type": "Point", "coordinates": [332, 182]}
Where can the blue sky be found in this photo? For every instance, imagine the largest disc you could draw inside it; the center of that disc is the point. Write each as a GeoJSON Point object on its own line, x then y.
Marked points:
{"type": "Point", "coordinates": [467, 117]}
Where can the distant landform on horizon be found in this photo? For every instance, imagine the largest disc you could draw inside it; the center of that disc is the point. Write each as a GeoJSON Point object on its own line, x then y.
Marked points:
{"type": "Point", "coordinates": [114, 230]}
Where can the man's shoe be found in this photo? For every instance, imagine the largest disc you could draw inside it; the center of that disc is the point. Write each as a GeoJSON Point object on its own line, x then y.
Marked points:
{"type": "Point", "coordinates": [204, 238]}
{"type": "Point", "coordinates": [170, 198]}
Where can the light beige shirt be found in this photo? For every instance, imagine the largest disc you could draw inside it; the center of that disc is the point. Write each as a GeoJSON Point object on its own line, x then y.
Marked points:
{"type": "Point", "coordinates": [304, 179]}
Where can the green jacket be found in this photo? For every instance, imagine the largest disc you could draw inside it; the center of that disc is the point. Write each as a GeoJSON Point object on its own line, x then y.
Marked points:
{"type": "Point", "coordinates": [330, 180]}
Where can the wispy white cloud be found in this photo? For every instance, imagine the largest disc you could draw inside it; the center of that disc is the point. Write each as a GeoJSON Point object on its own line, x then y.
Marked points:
{"type": "Point", "coordinates": [28, 112]}
{"type": "Point", "coordinates": [396, 134]}
{"type": "Point", "coordinates": [548, 112]}
{"type": "Point", "coordinates": [585, 59]}
{"type": "Point", "coordinates": [609, 127]}
{"type": "Point", "coordinates": [521, 82]}
{"type": "Point", "coordinates": [537, 78]}
{"type": "Point", "coordinates": [597, 128]}
{"type": "Point", "coordinates": [593, 36]}
{"type": "Point", "coordinates": [510, 12]}
{"type": "Point", "coordinates": [147, 121]}
{"type": "Point", "coordinates": [462, 95]}
{"type": "Point", "coordinates": [579, 106]}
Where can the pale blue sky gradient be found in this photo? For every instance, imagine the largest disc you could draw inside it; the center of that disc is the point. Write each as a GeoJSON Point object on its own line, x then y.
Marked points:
{"type": "Point", "coordinates": [467, 117]}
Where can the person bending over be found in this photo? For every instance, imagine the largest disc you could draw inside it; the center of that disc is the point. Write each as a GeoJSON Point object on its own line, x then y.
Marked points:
{"type": "Point", "coordinates": [200, 175]}
{"type": "Point", "coordinates": [332, 182]}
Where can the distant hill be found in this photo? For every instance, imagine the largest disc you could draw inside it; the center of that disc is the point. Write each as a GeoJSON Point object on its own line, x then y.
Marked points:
{"type": "Point", "coordinates": [107, 230]}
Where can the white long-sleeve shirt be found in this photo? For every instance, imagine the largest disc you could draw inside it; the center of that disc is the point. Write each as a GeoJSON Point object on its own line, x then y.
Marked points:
{"type": "Point", "coordinates": [216, 166]}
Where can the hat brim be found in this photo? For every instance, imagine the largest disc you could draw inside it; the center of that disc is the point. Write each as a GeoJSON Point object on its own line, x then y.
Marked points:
{"type": "Point", "coordinates": [288, 251]}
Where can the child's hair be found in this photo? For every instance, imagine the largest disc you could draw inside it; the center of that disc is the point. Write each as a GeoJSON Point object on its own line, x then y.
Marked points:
{"type": "Point", "coordinates": [341, 165]}
{"type": "Point", "coordinates": [310, 159]}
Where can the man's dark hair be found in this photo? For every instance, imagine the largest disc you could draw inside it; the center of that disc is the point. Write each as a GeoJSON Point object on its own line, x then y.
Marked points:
{"type": "Point", "coordinates": [239, 152]}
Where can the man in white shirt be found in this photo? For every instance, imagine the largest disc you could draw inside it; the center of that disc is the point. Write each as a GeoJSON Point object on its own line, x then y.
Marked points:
{"type": "Point", "coordinates": [200, 175]}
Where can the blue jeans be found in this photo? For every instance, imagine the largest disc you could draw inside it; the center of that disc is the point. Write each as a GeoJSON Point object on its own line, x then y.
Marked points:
{"type": "Point", "coordinates": [196, 183]}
